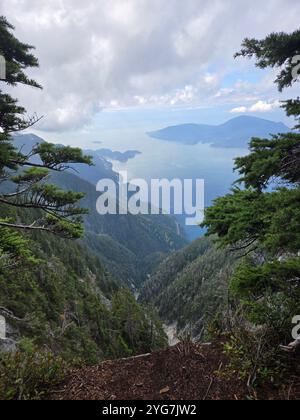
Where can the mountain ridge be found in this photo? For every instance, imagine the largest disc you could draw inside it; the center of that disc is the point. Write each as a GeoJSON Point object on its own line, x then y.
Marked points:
{"type": "Point", "coordinates": [122, 157]}
{"type": "Point", "coordinates": [234, 133]}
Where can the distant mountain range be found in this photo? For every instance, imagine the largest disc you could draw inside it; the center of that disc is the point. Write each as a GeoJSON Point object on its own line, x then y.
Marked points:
{"type": "Point", "coordinates": [236, 133]}
{"type": "Point", "coordinates": [101, 168]}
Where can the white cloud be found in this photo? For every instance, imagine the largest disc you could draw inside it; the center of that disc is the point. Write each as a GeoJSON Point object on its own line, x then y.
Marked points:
{"type": "Point", "coordinates": [239, 110]}
{"type": "Point", "coordinates": [103, 53]}
{"type": "Point", "coordinates": [260, 106]}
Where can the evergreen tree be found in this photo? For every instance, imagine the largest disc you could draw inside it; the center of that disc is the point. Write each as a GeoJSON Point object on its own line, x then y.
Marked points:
{"type": "Point", "coordinates": [23, 176]}
{"type": "Point", "coordinates": [261, 215]}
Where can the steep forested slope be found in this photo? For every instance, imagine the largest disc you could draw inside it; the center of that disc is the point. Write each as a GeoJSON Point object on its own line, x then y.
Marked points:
{"type": "Point", "coordinates": [190, 287]}
{"type": "Point", "coordinates": [68, 302]}
{"type": "Point", "coordinates": [129, 245]}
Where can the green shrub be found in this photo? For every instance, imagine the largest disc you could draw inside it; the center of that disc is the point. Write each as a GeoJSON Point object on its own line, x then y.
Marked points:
{"type": "Point", "coordinates": [256, 356]}
{"type": "Point", "coordinates": [29, 373]}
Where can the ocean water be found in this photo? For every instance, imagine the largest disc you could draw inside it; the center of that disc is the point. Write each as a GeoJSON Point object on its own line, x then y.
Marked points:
{"type": "Point", "coordinates": [163, 159]}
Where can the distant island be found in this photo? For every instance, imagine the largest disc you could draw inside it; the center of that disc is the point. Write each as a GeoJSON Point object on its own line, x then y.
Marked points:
{"type": "Point", "coordinates": [119, 156]}
{"type": "Point", "coordinates": [235, 133]}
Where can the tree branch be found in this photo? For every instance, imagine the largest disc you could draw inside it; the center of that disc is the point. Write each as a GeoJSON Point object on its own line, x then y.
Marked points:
{"type": "Point", "coordinates": [8, 314]}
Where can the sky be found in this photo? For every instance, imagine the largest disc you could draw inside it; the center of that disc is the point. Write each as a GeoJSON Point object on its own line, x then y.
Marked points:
{"type": "Point", "coordinates": [148, 63]}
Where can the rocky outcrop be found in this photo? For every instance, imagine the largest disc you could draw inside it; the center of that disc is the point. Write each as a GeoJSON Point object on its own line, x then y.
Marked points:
{"type": "Point", "coordinates": [9, 342]}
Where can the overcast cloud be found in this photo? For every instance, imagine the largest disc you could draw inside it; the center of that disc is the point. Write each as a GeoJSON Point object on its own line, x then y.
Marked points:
{"type": "Point", "coordinates": [99, 54]}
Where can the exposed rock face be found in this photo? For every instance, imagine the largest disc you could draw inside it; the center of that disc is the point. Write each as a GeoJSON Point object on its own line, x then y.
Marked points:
{"type": "Point", "coordinates": [171, 331]}
{"type": "Point", "coordinates": [2, 327]}
{"type": "Point", "coordinates": [8, 336]}
{"type": "Point", "coordinates": [8, 345]}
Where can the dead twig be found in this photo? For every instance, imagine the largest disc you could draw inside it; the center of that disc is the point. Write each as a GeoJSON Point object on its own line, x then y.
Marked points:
{"type": "Point", "coordinates": [208, 390]}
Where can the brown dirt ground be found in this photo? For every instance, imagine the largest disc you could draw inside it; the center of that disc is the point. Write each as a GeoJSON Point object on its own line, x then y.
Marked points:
{"type": "Point", "coordinates": [184, 372]}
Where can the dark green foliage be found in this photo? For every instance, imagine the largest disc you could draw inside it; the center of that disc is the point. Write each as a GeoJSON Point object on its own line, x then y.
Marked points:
{"type": "Point", "coordinates": [13, 249]}
{"type": "Point", "coordinates": [263, 221]}
{"type": "Point", "coordinates": [271, 160]}
{"type": "Point", "coordinates": [251, 280]}
{"type": "Point", "coordinates": [64, 302]}
{"type": "Point", "coordinates": [276, 50]}
{"type": "Point", "coordinates": [122, 263]}
{"type": "Point", "coordinates": [139, 330]}
{"type": "Point", "coordinates": [292, 108]}
{"type": "Point", "coordinates": [190, 287]}
{"type": "Point", "coordinates": [29, 373]}
{"type": "Point", "coordinates": [247, 219]}
{"type": "Point", "coordinates": [17, 54]}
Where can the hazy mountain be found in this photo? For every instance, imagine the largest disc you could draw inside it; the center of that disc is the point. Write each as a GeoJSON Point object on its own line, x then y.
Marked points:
{"type": "Point", "coordinates": [119, 156]}
{"type": "Point", "coordinates": [236, 133]}
{"type": "Point", "coordinates": [101, 168]}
